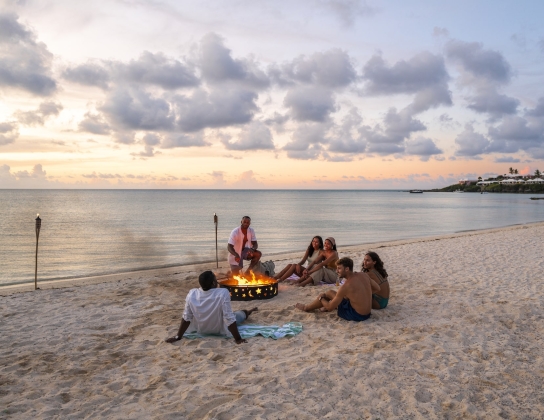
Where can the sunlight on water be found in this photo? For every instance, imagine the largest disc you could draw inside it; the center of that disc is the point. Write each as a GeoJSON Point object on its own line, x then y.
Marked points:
{"type": "Point", "coordinates": [96, 232]}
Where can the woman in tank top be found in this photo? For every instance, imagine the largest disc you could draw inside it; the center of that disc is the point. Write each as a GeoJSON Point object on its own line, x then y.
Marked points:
{"type": "Point", "coordinates": [312, 252]}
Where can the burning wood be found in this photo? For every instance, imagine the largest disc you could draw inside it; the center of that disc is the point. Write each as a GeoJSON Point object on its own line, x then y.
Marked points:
{"type": "Point", "coordinates": [250, 286]}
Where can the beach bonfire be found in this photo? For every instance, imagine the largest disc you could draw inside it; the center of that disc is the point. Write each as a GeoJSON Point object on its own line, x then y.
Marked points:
{"type": "Point", "coordinates": [250, 286]}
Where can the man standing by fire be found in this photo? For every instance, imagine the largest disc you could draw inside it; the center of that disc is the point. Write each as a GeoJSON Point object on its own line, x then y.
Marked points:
{"type": "Point", "coordinates": [242, 246]}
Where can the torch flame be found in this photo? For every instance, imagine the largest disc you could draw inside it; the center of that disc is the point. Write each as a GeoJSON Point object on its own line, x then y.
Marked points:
{"type": "Point", "coordinates": [38, 215]}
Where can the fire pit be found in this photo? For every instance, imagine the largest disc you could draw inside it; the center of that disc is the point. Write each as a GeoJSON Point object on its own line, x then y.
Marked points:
{"type": "Point", "coordinates": [250, 286]}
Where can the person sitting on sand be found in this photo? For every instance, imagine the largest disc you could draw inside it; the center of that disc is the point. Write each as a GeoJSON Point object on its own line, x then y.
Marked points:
{"type": "Point", "coordinates": [373, 266]}
{"type": "Point", "coordinates": [312, 252]}
{"type": "Point", "coordinates": [353, 299]}
{"type": "Point", "coordinates": [242, 245]}
{"type": "Point", "coordinates": [323, 268]}
{"type": "Point", "coordinates": [209, 311]}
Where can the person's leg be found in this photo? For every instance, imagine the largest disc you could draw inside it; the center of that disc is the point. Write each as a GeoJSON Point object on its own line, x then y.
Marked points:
{"type": "Point", "coordinates": [282, 272]}
{"type": "Point", "coordinates": [288, 273]}
{"type": "Point", "coordinates": [235, 269]}
{"type": "Point", "coordinates": [316, 304]}
{"type": "Point", "coordinates": [256, 258]}
{"type": "Point", "coordinates": [304, 282]}
{"type": "Point", "coordinates": [243, 315]}
{"type": "Point", "coordinates": [329, 295]}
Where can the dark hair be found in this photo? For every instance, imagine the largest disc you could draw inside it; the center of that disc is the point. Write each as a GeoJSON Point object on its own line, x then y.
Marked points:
{"type": "Point", "coordinates": [246, 217]}
{"type": "Point", "coordinates": [345, 262]}
{"type": "Point", "coordinates": [206, 280]}
{"type": "Point", "coordinates": [333, 246]}
{"type": "Point", "coordinates": [311, 247]}
{"type": "Point", "coordinates": [378, 264]}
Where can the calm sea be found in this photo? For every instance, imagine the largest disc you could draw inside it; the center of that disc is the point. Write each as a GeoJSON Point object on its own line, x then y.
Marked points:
{"type": "Point", "coordinates": [95, 232]}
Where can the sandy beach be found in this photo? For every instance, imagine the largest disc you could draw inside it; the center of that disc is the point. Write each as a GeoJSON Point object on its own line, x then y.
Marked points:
{"type": "Point", "coordinates": [461, 338]}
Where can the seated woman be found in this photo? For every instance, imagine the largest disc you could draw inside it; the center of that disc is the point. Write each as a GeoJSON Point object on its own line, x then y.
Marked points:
{"type": "Point", "coordinates": [323, 268]}
{"type": "Point", "coordinates": [310, 255]}
{"type": "Point", "coordinates": [373, 266]}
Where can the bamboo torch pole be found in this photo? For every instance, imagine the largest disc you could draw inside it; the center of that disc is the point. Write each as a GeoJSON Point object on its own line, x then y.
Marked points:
{"type": "Point", "coordinates": [38, 227]}
{"type": "Point", "coordinates": [215, 220]}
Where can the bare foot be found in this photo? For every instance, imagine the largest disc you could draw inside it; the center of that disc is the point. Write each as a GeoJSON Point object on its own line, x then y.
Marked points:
{"type": "Point", "coordinates": [248, 313]}
{"type": "Point", "coordinates": [301, 307]}
{"type": "Point", "coordinates": [323, 310]}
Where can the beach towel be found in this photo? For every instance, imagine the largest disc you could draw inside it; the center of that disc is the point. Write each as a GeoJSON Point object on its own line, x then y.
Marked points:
{"type": "Point", "coordinates": [249, 330]}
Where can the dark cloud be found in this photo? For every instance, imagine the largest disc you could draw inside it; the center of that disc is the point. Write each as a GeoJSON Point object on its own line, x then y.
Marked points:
{"type": "Point", "coordinates": [307, 135]}
{"type": "Point", "coordinates": [423, 147]}
{"type": "Point", "coordinates": [24, 62]}
{"type": "Point", "coordinates": [422, 71]}
{"type": "Point", "coordinates": [255, 136]}
{"type": "Point", "coordinates": [95, 124]}
{"type": "Point", "coordinates": [219, 108]}
{"type": "Point", "coordinates": [217, 65]}
{"type": "Point", "coordinates": [310, 103]}
{"type": "Point", "coordinates": [184, 140]}
{"type": "Point", "coordinates": [136, 109]}
{"type": "Point", "coordinates": [537, 111]}
{"type": "Point", "coordinates": [34, 118]}
{"type": "Point", "coordinates": [493, 103]}
{"type": "Point", "coordinates": [507, 159]}
{"type": "Point", "coordinates": [88, 74]}
{"type": "Point", "coordinates": [487, 64]}
{"type": "Point", "coordinates": [8, 133]}
{"type": "Point", "coordinates": [331, 69]}
{"type": "Point", "coordinates": [151, 139]}
{"type": "Point", "coordinates": [469, 143]}
{"type": "Point", "coordinates": [347, 137]}
{"type": "Point", "coordinates": [157, 69]}
{"type": "Point", "coordinates": [516, 133]}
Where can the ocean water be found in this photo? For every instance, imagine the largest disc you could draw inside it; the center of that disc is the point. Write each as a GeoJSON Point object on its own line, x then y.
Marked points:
{"type": "Point", "coordinates": [92, 232]}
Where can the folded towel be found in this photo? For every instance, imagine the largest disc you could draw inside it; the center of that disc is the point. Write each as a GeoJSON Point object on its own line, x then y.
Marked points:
{"type": "Point", "coordinates": [249, 330]}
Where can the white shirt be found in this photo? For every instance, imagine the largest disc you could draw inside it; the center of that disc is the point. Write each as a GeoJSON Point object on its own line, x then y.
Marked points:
{"type": "Point", "coordinates": [236, 239]}
{"type": "Point", "coordinates": [209, 312]}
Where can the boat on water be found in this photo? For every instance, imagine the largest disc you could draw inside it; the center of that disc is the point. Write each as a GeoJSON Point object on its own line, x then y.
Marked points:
{"type": "Point", "coordinates": [537, 198]}
{"type": "Point", "coordinates": [416, 191]}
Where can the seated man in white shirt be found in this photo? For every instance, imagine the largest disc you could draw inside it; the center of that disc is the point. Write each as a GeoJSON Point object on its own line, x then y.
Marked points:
{"type": "Point", "coordinates": [208, 311]}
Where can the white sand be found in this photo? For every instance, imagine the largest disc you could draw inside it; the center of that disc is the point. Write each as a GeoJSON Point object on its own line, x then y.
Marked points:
{"type": "Point", "coordinates": [462, 338]}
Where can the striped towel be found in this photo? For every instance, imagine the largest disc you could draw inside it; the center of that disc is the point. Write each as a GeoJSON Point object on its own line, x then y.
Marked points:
{"type": "Point", "coordinates": [249, 330]}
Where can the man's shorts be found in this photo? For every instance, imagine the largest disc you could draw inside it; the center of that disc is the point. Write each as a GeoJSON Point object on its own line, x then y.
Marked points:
{"type": "Point", "coordinates": [245, 254]}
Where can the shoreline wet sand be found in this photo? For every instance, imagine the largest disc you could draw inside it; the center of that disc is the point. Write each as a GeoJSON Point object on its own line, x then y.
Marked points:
{"type": "Point", "coordinates": [462, 337]}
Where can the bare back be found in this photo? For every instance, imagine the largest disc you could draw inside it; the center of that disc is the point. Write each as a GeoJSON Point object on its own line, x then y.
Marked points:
{"type": "Point", "coordinates": [358, 290]}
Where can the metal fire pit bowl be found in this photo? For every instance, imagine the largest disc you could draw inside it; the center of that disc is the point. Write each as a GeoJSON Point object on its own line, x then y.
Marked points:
{"type": "Point", "coordinates": [250, 292]}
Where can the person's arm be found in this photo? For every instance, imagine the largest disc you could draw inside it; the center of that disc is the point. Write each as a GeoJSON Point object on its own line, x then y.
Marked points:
{"type": "Point", "coordinates": [326, 261]}
{"type": "Point", "coordinates": [303, 260]}
{"type": "Point", "coordinates": [232, 251]}
{"type": "Point", "coordinates": [330, 305]}
{"type": "Point", "coordinates": [254, 245]}
{"type": "Point", "coordinates": [320, 257]}
{"type": "Point", "coordinates": [375, 286]}
{"type": "Point", "coordinates": [233, 328]}
{"type": "Point", "coordinates": [182, 328]}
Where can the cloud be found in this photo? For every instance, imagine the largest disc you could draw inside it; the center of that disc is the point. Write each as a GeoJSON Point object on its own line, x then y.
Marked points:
{"type": "Point", "coordinates": [8, 133]}
{"type": "Point", "coordinates": [331, 69]}
{"type": "Point", "coordinates": [34, 118]}
{"type": "Point", "coordinates": [255, 136]}
{"type": "Point", "coordinates": [218, 108]}
{"type": "Point", "coordinates": [24, 63]}
{"type": "Point", "coordinates": [88, 74]}
{"type": "Point", "coordinates": [184, 140]}
{"type": "Point", "coordinates": [439, 32]}
{"type": "Point", "coordinates": [347, 137]}
{"type": "Point", "coordinates": [348, 10]}
{"type": "Point", "coordinates": [469, 143]}
{"type": "Point", "coordinates": [491, 102]}
{"type": "Point", "coordinates": [95, 124]}
{"type": "Point", "coordinates": [310, 103]}
{"type": "Point", "coordinates": [538, 110]}
{"type": "Point", "coordinates": [136, 109]}
{"type": "Point", "coordinates": [423, 147]}
{"type": "Point", "coordinates": [157, 69]}
{"type": "Point", "coordinates": [507, 159]}
{"type": "Point", "coordinates": [217, 65]}
{"type": "Point", "coordinates": [218, 178]}
{"type": "Point", "coordinates": [474, 59]}
{"type": "Point", "coordinates": [517, 133]}
{"type": "Point", "coordinates": [247, 180]}
{"type": "Point", "coordinates": [424, 74]}
{"type": "Point", "coordinates": [420, 72]}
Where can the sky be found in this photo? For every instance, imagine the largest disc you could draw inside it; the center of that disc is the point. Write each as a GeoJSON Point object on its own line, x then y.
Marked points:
{"type": "Point", "coordinates": [245, 94]}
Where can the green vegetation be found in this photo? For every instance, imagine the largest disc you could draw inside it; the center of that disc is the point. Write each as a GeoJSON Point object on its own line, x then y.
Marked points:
{"type": "Point", "coordinates": [495, 188]}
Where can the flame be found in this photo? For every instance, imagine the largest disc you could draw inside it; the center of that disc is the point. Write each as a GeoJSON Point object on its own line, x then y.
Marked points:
{"type": "Point", "coordinates": [249, 279]}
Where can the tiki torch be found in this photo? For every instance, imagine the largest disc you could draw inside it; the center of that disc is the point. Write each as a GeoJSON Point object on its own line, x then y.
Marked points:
{"type": "Point", "coordinates": [215, 220]}
{"type": "Point", "coordinates": [38, 227]}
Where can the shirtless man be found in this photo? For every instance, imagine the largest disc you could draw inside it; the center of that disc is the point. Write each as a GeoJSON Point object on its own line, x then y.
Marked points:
{"type": "Point", "coordinates": [242, 246]}
{"type": "Point", "coordinates": [353, 299]}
